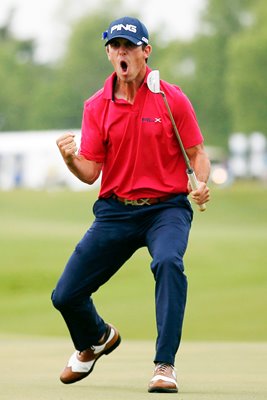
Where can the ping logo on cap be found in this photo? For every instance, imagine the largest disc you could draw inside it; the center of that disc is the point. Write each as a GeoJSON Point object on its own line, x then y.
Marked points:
{"type": "Point", "coordinates": [128, 27]}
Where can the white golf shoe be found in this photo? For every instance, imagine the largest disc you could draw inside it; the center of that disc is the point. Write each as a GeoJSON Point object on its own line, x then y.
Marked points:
{"type": "Point", "coordinates": [81, 364]}
{"type": "Point", "coordinates": [164, 379]}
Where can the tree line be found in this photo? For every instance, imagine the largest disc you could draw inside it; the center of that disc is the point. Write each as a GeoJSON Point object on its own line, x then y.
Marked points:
{"type": "Point", "coordinates": [222, 70]}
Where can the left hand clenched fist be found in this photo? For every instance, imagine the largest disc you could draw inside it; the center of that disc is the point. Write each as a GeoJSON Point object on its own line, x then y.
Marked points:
{"type": "Point", "coordinates": [67, 146]}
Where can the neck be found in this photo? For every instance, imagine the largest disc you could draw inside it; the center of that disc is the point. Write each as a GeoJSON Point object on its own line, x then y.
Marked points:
{"type": "Point", "coordinates": [128, 90]}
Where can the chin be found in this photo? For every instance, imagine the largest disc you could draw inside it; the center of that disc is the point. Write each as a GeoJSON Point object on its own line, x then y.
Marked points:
{"type": "Point", "coordinates": [125, 78]}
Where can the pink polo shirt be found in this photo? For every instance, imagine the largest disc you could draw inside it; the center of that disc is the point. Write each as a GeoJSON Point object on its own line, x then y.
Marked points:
{"type": "Point", "coordinates": [136, 143]}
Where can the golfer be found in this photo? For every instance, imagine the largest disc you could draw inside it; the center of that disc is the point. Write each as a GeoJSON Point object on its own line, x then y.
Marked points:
{"type": "Point", "coordinates": [143, 201]}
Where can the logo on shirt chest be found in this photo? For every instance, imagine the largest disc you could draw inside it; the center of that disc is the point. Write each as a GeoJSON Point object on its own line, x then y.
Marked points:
{"type": "Point", "coordinates": [155, 120]}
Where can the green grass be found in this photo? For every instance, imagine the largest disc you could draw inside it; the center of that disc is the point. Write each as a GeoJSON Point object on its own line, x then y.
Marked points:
{"type": "Point", "coordinates": [206, 371]}
{"type": "Point", "coordinates": [225, 265]}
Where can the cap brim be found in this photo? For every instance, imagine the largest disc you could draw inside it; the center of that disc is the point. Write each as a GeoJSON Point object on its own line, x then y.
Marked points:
{"type": "Point", "coordinates": [130, 38]}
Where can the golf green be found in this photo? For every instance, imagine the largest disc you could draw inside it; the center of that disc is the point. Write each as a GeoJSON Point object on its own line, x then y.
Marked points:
{"type": "Point", "coordinates": [206, 371]}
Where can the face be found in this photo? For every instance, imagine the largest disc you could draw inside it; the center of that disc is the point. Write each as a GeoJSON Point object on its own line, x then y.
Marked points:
{"type": "Point", "coordinates": [128, 60]}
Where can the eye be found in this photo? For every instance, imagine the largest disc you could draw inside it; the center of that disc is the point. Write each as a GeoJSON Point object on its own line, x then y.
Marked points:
{"type": "Point", "coordinates": [130, 45]}
{"type": "Point", "coordinates": [115, 44]}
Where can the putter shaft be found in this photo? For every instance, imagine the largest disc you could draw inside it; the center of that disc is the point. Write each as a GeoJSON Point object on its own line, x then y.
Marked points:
{"type": "Point", "coordinates": [189, 170]}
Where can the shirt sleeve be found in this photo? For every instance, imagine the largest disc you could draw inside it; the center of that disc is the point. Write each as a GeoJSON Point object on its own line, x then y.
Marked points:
{"type": "Point", "coordinates": [186, 120]}
{"type": "Point", "coordinates": [92, 145]}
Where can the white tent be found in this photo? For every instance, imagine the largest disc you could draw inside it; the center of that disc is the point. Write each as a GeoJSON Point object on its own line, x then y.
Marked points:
{"type": "Point", "coordinates": [32, 160]}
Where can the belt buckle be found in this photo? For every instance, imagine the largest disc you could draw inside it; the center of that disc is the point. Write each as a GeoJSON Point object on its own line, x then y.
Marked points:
{"type": "Point", "coordinates": [138, 202]}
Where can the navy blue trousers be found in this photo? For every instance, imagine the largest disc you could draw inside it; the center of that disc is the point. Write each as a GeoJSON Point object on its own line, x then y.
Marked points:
{"type": "Point", "coordinates": [117, 232]}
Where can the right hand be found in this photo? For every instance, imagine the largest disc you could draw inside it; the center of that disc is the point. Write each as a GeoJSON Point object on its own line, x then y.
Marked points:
{"type": "Point", "coordinates": [201, 195]}
{"type": "Point", "coordinates": [67, 146]}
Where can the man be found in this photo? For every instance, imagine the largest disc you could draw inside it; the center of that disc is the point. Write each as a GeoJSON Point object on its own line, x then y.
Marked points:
{"type": "Point", "coordinates": [127, 135]}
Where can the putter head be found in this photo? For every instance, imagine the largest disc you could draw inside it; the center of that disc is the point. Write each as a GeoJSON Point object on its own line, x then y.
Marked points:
{"type": "Point", "coordinates": [153, 81]}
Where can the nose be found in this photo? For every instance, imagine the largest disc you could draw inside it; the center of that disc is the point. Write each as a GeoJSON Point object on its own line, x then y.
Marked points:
{"type": "Point", "coordinates": [122, 48]}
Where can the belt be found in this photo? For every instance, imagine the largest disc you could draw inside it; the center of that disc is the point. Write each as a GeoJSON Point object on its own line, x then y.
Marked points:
{"type": "Point", "coordinates": [143, 201]}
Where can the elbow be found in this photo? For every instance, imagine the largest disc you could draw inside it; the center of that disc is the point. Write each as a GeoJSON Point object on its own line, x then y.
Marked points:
{"type": "Point", "coordinates": [85, 170]}
{"type": "Point", "coordinates": [90, 179]}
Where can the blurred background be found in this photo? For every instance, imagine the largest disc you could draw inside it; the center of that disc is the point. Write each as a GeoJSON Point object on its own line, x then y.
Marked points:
{"type": "Point", "coordinates": [51, 60]}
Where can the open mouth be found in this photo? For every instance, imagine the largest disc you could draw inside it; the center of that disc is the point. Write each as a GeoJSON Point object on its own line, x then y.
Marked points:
{"type": "Point", "coordinates": [124, 66]}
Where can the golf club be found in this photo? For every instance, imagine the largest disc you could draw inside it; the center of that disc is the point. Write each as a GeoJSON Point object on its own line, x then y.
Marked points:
{"type": "Point", "coordinates": [153, 83]}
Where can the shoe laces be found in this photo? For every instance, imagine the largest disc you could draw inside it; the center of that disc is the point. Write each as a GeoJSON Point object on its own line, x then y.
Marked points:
{"type": "Point", "coordinates": [163, 368]}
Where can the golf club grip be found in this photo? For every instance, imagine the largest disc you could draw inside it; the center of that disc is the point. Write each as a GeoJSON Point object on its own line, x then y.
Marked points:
{"type": "Point", "coordinates": [194, 185]}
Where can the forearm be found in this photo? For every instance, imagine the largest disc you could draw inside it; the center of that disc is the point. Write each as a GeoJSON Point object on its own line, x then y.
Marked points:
{"type": "Point", "coordinates": [85, 170]}
{"type": "Point", "coordinates": [201, 165]}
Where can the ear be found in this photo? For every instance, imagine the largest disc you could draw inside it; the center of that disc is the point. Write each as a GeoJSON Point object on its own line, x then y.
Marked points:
{"type": "Point", "coordinates": [107, 51]}
{"type": "Point", "coordinates": [147, 51]}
